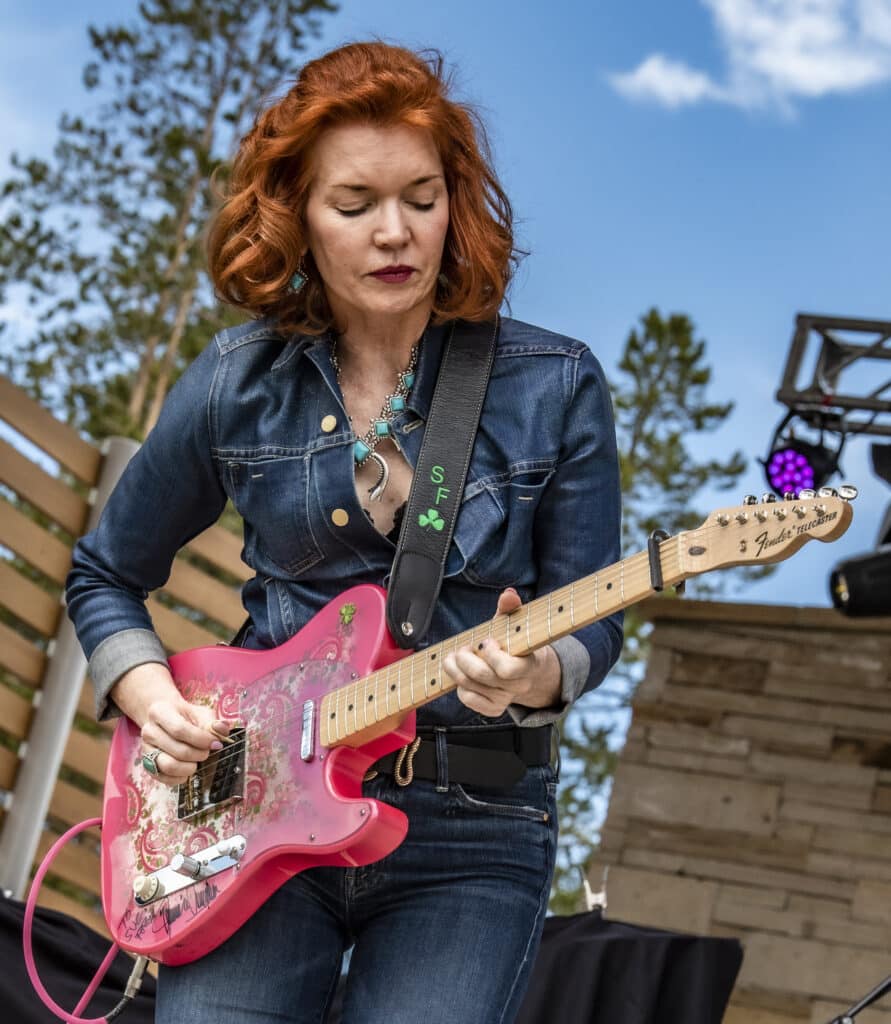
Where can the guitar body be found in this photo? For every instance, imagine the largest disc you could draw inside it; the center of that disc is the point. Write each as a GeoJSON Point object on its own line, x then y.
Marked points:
{"type": "Point", "coordinates": [270, 804]}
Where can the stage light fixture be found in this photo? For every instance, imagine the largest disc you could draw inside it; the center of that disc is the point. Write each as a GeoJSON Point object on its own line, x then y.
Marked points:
{"type": "Point", "coordinates": [792, 465]}
{"type": "Point", "coordinates": [862, 585]}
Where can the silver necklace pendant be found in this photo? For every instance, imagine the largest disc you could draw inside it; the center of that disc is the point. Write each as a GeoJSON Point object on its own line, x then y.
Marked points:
{"type": "Point", "coordinates": [376, 493]}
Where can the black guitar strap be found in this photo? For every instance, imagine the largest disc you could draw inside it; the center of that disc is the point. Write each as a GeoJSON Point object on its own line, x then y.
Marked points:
{"type": "Point", "coordinates": [438, 483]}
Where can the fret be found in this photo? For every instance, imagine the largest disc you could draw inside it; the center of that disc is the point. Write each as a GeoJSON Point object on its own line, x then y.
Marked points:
{"type": "Point", "coordinates": [596, 598]}
{"type": "Point", "coordinates": [550, 631]}
{"type": "Point", "coordinates": [529, 644]}
{"type": "Point", "coordinates": [572, 605]}
{"type": "Point", "coordinates": [622, 579]}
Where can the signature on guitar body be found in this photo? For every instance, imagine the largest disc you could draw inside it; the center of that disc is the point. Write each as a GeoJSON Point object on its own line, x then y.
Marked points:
{"type": "Point", "coordinates": [183, 868]}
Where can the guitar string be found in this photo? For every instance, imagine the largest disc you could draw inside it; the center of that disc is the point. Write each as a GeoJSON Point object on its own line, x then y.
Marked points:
{"type": "Point", "coordinates": [631, 572]}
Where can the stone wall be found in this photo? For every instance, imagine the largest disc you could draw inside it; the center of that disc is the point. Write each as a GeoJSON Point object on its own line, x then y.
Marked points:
{"type": "Point", "coordinates": [752, 799]}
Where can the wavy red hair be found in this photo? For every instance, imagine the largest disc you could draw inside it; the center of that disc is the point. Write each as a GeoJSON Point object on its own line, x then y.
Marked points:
{"type": "Point", "coordinates": [258, 235]}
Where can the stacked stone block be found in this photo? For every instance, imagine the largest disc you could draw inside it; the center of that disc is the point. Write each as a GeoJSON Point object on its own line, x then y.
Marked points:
{"type": "Point", "coordinates": [752, 799]}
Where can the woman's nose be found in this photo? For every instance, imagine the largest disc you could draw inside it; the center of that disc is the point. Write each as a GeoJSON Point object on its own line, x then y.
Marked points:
{"type": "Point", "coordinates": [391, 229]}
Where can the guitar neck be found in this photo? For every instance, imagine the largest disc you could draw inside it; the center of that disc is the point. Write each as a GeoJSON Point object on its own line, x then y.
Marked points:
{"type": "Point", "coordinates": [418, 679]}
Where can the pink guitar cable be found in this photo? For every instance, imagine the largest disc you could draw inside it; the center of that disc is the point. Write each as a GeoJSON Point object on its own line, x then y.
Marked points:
{"type": "Point", "coordinates": [136, 974]}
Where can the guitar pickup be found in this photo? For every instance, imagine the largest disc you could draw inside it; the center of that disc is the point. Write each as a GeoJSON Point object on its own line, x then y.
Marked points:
{"type": "Point", "coordinates": [219, 780]}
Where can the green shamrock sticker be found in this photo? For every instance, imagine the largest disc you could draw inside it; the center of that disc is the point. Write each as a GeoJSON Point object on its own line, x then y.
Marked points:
{"type": "Point", "coordinates": [347, 611]}
{"type": "Point", "coordinates": [431, 518]}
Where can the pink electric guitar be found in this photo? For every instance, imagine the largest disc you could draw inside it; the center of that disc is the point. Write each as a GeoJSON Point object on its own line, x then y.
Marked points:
{"type": "Point", "coordinates": [183, 869]}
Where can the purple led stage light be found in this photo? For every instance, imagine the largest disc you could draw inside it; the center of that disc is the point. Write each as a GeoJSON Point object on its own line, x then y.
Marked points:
{"type": "Point", "coordinates": [794, 466]}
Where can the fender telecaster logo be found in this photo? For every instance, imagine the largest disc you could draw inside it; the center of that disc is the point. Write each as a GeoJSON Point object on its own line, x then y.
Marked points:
{"type": "Point", "coordinates": [765, 542]}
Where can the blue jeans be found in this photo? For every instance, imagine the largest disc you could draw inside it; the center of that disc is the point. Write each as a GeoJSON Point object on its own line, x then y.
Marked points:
{"type": "Point", "coordinates": [444, 930]}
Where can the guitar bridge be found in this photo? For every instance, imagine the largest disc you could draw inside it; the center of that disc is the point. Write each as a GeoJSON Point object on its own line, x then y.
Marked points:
{"type": "Point", "coordinates": [219, 780]}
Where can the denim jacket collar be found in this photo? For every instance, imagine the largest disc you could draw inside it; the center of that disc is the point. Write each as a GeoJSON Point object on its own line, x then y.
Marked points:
{"type": "Point", "coordinates": [318, 351]}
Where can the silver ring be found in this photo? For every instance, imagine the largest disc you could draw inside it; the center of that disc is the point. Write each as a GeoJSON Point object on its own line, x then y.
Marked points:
{"type": "Point", "coordinates": [150, 761]}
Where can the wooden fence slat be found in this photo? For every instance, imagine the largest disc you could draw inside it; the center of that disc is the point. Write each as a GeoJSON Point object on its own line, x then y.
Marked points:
{"type": "Point", "coordinates": [28, 602]}
{"type": "Point", "coordinates": [56, 438]}
{"type": "Point", "coordinates": [88, 754]}
{"type": "Point", "coordinates": [15, 713]}
{"type": "Point", "coordinates": [202, 592]}
{"type": "Point", "coordinates": [37, 546]}
{"type": "Point", "coordinates": [72, 805]}
{"type": "Point", "coordinates": [63, 505]}
{"type": "Point", "coordinates": [52, 899]}
{"type": "Point", "coordinates": [9, 765]}
{"type": "Point", "coordinates": [22, 658]}
{"type": "Point", "coordinates": [75, 863]}
{"type": "Point", "coordinates": [222, 547]}
{"type": "Point", "coordinates": [177, 633]}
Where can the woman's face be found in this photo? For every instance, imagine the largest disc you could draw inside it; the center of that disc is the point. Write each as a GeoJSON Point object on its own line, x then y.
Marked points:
{"type": "Point", "coordinates": [377, 216]}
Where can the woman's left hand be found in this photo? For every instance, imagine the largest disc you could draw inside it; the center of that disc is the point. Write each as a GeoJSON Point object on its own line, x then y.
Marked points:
{"type": "Point", "coordinates": [490, 679]}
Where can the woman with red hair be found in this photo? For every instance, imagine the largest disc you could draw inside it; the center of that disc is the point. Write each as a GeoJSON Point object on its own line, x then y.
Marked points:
{"type": "Point", "coordinates": [362, 219]}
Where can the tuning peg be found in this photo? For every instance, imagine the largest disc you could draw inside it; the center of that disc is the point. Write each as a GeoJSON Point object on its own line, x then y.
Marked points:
{"type": "Point", "coordinates": [788, 495]}
{"type": "Point", "coordinates": [768, 497]}
{"type": "Point", "coordinates": [741, 517]}
{"type": "Point", "coordinates": [780, 513]}
{"type": "Point", "coordinates": [848, 491]}
{"type": "Point", "coordinates": [760, 514]}
{"type": "Point", "coordinates": [750, 499]}
{"type": "Point", "coordinates": [722, 519]}
{"type": "Point", "coordinates": [827, 492]}
{"type": "Point", "coordinates": [800, 511]}
{"type": "Point", "coordinates": [807, 492]}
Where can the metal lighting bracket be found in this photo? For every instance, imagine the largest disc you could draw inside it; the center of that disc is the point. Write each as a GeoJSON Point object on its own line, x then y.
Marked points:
{"type": "Point", "coordinates": [822, 403]}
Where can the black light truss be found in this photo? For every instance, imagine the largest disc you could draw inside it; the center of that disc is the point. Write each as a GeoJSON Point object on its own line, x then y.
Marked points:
{"type": "Point", "coordinates": [823, 403]}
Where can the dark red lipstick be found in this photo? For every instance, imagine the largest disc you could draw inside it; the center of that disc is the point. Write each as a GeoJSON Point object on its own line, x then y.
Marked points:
{"type": "Point", "coordinates": [394, 275]}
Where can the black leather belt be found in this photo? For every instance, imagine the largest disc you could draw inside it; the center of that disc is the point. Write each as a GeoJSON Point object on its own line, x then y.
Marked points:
{"type": "Point", "coordinates": [492, 758]}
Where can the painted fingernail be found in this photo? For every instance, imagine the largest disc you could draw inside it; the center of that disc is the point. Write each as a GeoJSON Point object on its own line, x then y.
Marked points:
{"type": "Point", "coordinates": [216, 745]}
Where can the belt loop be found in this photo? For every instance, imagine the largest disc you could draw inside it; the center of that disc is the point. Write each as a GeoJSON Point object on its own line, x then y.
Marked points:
{"type": "Point", "coordinates": [442, 759]}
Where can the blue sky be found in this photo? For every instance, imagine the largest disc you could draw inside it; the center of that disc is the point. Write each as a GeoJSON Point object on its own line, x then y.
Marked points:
{"type": "Point", "coordinates": [729, 159]}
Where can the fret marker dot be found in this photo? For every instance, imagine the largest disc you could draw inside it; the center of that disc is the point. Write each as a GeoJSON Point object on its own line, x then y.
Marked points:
{"type": "Point", "coordinates": [560, 609]}
{"type": "Point", "coordinates": [350, 707]}
{"type": "Point", "coordinates": [392, 686]}
{"type": "Point", "coordinates": [479, 646]}
{"type": "Point", "coordinates": [517, 630]}
{"type": "Point", "coordinates": [609, 586]}
{"type": "Point", "coordinates": [433, 682]}
{"type": "Point", "coordinates": [433, 657]}
{"type": "Point", "coordinates": [333, 714]}
{"type": "Point", "coordinates": [371, 696]}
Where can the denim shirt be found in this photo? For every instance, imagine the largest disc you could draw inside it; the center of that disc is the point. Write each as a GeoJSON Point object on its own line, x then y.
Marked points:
{"type": "Point", "coordinates": [251, 420]}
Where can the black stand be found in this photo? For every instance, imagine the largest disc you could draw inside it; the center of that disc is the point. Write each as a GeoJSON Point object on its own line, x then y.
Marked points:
{"type": "Point", "coordinates": [848, 1016]}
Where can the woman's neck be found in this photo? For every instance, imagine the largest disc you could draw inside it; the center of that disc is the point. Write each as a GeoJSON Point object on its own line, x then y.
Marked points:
{"type": "Point", "coordinates": [380, 347]}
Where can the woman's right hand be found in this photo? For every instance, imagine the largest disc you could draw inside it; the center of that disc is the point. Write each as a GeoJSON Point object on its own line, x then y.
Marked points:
{"type": "Point", "coordinates": [181, 731]}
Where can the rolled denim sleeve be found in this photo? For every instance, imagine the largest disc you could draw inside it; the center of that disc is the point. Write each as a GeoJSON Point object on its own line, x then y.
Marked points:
{"type": "Point", "coordinates": [577, 531]}
{"type": "Point", "coordinates": [169, 492]}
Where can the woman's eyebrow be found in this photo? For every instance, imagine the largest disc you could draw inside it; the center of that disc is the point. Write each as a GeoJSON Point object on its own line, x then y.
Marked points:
{"type": "Point", "coordinates": [367, 188]}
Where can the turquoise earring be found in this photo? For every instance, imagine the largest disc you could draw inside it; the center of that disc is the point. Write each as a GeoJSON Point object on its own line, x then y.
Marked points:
{"type": "Point", "coordinates": [298, 280]}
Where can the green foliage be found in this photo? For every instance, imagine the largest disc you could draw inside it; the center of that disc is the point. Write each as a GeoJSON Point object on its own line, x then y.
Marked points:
{"type": "Point", "coordinates": [104, 240]}
{"type": "Point", "coordinates": [661, 403]}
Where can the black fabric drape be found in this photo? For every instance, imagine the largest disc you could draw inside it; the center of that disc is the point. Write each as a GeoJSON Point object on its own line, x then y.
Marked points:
{"type": "Point", "coordinates": [68, 955]}
{"type": "Point", "coordinates": [593, 971]}
{"type": "Point", "coordinates": [588, 971]}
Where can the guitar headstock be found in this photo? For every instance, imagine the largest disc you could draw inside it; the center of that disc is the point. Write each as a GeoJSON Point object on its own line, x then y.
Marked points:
{"type": "Point", "coordinates": [769, 530]}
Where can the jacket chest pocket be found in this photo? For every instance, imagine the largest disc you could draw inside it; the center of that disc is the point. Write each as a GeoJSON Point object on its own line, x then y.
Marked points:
{"type": "Point", "coordinates": [271, 496]}
{"type": "Point", "coordinates": [494, 536]}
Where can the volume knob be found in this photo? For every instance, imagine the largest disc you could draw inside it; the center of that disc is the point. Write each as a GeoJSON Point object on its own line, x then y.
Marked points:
{"type": "Point", "coordinates": [188, 866]}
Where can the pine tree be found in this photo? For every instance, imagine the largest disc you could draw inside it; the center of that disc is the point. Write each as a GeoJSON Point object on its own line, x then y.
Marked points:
{"type": "Point", "coordinates": [105, 239]}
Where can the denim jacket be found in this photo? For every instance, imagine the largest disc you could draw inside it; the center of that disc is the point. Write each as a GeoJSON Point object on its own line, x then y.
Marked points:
{"type": "Point", "coordinates": [259, 418]}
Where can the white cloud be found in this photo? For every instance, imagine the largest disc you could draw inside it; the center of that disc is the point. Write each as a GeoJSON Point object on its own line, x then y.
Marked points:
{"type": "Point", "coordinates": [666, 81]}
{"type": "Point", "coordinates": [777, 52]}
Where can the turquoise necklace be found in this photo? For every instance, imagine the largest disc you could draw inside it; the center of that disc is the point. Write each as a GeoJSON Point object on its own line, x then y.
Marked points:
{"type": "Point", "coordinates": [381, 426]}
